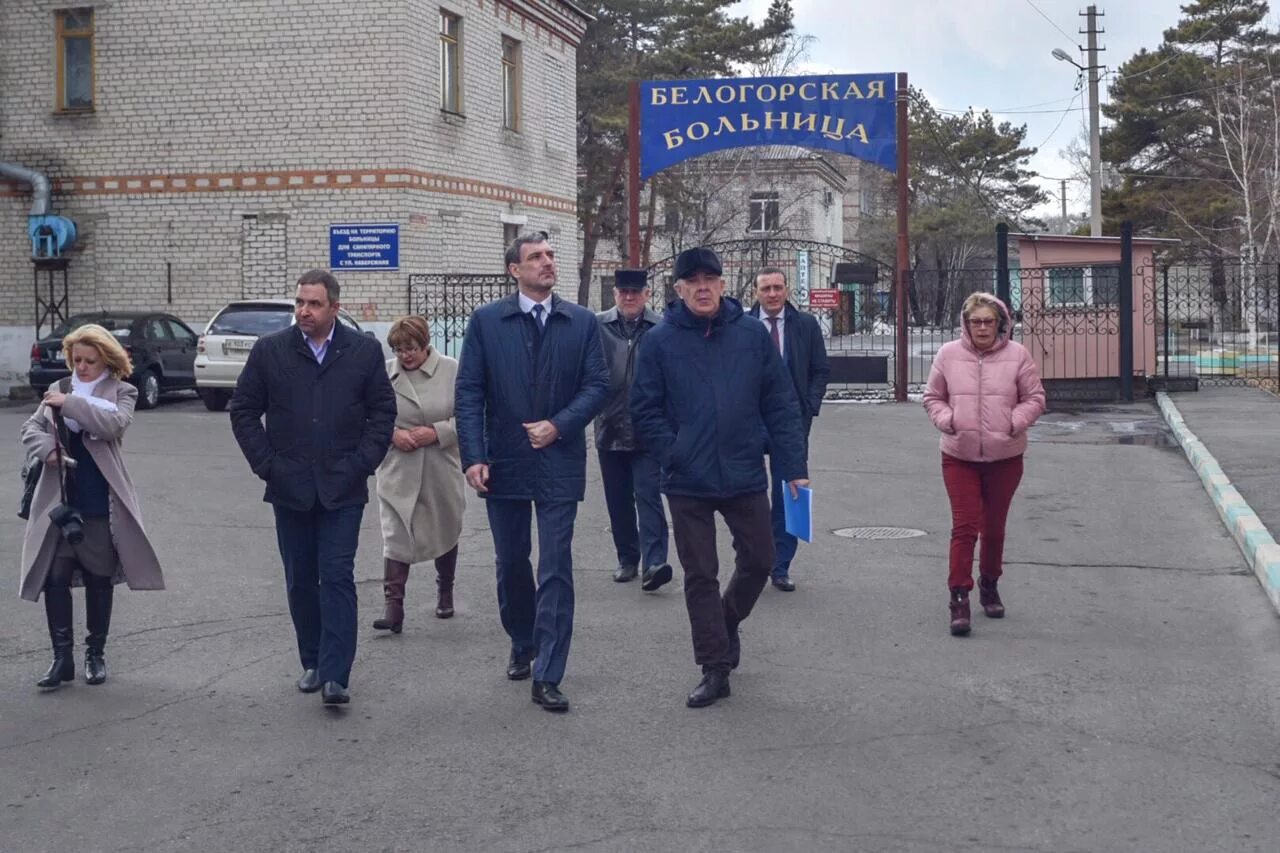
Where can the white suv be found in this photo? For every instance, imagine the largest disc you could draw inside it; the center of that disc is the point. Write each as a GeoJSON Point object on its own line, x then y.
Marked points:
{"type": "Point", "coordinates": [225, 344]}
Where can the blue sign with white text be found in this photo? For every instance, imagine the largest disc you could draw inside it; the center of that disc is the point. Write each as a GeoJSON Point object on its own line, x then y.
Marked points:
{"type": "Point", "coordinates": [364, 247]}
{"type": "Point", "coordinates": [850, 113]}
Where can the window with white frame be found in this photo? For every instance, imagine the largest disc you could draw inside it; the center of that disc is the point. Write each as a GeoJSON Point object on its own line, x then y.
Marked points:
{"type": "Point", "coordinates": [763, 216]}
{"type": "Point", "coordinates": [450, 62]}
{"type": "Point", "coordinates": [1096, 286]}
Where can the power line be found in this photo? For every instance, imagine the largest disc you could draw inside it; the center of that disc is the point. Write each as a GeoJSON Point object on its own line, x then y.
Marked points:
{"type": "Point", "coordinates": [1061, 119]}
{"type": "Point", "coordinates": [1041, 13]}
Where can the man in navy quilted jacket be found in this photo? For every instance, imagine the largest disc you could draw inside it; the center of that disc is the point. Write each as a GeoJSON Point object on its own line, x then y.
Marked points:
{"type": "Point", "coordinates": [710, 389]}
{"type": "Point", "coordinates": [531, 378]}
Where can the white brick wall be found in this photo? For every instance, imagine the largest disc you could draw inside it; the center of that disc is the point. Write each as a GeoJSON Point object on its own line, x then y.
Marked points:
{"type": "Point", "coordinates": [269, 97]}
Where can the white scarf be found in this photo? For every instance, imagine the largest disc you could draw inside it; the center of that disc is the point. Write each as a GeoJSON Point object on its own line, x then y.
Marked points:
{"type": "Point", "coordinates": [85, 389]}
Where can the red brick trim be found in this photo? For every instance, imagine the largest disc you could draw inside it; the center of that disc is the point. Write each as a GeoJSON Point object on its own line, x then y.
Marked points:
{"type": "Point", "coordinates": [297, 180]}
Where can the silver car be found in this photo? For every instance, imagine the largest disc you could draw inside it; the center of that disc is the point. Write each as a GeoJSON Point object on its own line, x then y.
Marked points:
{"type": "Point", "coordinates": [223, 348]}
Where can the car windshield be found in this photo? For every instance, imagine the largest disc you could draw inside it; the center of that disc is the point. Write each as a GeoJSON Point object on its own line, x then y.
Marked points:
{"type": "Point", "coordinates": [254, 320]}
{"type": "Point", "coordinates": [118, 326]}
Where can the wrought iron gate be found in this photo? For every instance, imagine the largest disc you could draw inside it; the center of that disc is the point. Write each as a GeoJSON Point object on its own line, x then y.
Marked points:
{"type": "Point", "coordinates": [447, 300]}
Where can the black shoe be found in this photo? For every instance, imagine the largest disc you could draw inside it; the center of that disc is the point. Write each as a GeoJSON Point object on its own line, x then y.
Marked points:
{"type": "Point", "coordinates": [714, 685]}
{"type": "Point", "coordinates": [548, 695]}
{"type": "Point", "coordinates": [334, 693]}
{"type": "Point", "coordinates": [95, 667]}
{"type": "Point", "coordinates": [62, 669]}
{"type": "Point", "coordinates": [784, 583]}
{"type": "Point", "coordinates": [310, 681]}
{"type": "Point", "coordinates": [655, 576]}
{"type": "Point", "coordinates": [518, 669]}
{"type": "Point", "coordinates": [625, 573]}
{"type": "Point", "coordinates": [735, 648]}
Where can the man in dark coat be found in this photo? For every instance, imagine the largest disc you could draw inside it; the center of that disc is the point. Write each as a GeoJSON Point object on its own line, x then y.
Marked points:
{"type": "Point", "coordinates": [329, 413]}
{"type": "Point", "coordinates": [629, 472]}
{"type": "Point", "coordinates": [530, 379]}
{"type": "Point", "coordinates": [798, 337]}
{"type": "Point", "coordinates": [710, 389]}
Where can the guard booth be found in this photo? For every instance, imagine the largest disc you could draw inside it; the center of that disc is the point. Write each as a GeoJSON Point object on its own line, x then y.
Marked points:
{"type": "Point", "coordinates": [1086, 307]}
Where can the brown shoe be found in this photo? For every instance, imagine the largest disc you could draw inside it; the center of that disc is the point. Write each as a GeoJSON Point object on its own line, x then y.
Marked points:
{"type": "Point", "coordinates": [446, 567]}
{"type": "Point", "coordinates": [959, 612]}
{"type": "Point", "coordinates": [989, 598]}
{"type": "Point", "coordinates": [395, 576]}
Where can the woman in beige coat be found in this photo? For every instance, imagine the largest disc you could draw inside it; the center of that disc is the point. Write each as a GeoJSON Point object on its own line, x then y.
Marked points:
{"type": "Point", "coordinates": [97, 540]}
{"type": "Point", "coordinates": [420, 484]}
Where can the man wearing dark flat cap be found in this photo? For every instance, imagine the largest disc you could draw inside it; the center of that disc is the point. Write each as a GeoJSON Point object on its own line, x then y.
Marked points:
{"type": "Point", "coordinates": [710, 390]}
{"type": "Point", "coordinates": [629, 470]}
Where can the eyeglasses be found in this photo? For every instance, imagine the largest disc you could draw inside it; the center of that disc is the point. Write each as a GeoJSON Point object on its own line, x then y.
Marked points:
{"type": "Point", "coordinates": [406, 350]}
{"type": "Point", "coordinates": [982, 321]}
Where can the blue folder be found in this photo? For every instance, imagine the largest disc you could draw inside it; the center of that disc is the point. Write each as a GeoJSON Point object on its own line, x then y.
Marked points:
{"type": "Point", "coordinates": [798, 512]}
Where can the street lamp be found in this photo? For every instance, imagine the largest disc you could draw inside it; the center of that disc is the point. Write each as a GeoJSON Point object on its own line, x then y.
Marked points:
{"type": "Point", "coordinates": [1095, 146]}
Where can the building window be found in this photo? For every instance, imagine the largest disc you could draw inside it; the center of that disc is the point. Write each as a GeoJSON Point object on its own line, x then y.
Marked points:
{"type": "Point", "coordinates": [510, 231]}
{"type": "Point", "coordinates": [450, 62]}
{"type": "Point", "coordinates": [764, 213]}
{"type": "Point", "coordinates": [75, 59]}
{"type": "Point", "coordinates": [1095, 286]}
{"type": "Point", "coordinates": [511, 83]}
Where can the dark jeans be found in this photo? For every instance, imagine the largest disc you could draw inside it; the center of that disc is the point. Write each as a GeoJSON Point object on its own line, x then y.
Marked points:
{"type": "Point", "coordinates": [631, 481]}
{"type": "Point", "coordinates": [318, 548]}
{"type": "Point", "coordinates": [980, 494]}
{"type": "Point", "coordinates": [538, 619]}
{"type": "Point", "coordinates": [710, 616]}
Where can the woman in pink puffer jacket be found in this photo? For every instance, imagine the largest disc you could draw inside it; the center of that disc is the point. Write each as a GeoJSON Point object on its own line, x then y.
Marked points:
{"type": "Point", "coordinates": [984, 393]}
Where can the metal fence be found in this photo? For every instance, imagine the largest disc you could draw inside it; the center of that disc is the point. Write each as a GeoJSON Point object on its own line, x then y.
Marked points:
{"type": "Point", "coordinates": [1218, 322]}
{"type": "Point", "coordinates": [447, 300]}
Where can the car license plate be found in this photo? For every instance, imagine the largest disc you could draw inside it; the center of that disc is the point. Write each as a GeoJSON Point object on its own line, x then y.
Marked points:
{"type": "Point", "coordinates": [237, 347]}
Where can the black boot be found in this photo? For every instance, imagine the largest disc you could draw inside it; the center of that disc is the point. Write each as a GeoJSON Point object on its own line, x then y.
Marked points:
{"type": "Point", "coordinates": [99, 593]}
{"type": "Point", "coordinates": [57, 610]}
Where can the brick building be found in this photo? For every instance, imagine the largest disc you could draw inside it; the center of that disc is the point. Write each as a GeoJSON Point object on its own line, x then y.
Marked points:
{"type": "Point", "coordinates": [206, 149]}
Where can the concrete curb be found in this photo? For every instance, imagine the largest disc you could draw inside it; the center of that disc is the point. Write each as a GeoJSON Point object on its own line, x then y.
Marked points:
{"type": "Point", "coordinates": [1256, 543]}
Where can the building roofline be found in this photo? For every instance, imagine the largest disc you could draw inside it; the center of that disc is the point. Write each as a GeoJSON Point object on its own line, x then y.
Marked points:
{"type": "Point", "coordinates": [1077, 238]}
{"type": "Point", "coordinates": [583, 13]}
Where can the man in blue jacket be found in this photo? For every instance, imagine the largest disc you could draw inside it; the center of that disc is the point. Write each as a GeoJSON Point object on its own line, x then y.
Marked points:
{"type": "Point", "coordinates": [329, 411]}
{"type": "Point", "coordinates": [798, 338]}
{"type": "Point", "coordinates": [709, 389]}
{"type": "Point", "coordinates": [530, 379]}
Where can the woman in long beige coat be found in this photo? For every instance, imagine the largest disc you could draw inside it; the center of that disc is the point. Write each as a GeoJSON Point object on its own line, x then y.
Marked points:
{"type": "Point", "coordinates": [420, 484]}
{"type": "Point", "coordinates": [100, 541]}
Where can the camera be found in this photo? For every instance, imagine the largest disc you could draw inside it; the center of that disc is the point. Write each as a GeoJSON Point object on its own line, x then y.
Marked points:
{"type": "Point", "coordinates": [69, 521]}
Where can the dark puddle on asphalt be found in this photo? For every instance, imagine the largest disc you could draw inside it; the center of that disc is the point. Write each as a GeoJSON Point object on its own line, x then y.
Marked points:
{"type": "Point", "coordinates": [1137, 424]}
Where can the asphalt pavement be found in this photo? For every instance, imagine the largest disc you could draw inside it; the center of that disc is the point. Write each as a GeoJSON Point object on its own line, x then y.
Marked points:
{"type": "Point", "coordinates": [1129, 701]}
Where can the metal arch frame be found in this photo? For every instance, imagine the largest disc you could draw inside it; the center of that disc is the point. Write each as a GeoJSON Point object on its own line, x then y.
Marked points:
{"type": "Point", "coordinates": [761, 252]}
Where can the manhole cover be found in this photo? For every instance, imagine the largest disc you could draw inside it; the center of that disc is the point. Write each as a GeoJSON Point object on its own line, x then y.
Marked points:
{"type": "Point", "coordinates": [879, 532]}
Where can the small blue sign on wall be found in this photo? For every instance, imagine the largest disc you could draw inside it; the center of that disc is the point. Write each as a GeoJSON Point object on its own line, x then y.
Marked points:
{"type": "Point", "coordinates": [357, 247]}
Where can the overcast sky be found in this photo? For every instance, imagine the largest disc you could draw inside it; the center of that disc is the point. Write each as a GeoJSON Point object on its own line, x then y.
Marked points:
{"type": "Point", "coordinates": [986, 54]}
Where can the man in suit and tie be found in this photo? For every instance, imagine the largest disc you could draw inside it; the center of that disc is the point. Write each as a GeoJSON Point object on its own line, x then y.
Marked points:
{"type": "Point", "coordinates": [530, 378]}
{"type": "Point", "coordinates": [329, 411]}
{"type": "Point", "coordinates": [798, 339]}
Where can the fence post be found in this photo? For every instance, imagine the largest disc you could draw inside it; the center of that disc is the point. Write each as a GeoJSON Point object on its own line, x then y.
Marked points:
{"type": "Point", "coordinates": [1126, 311]}
{"type": "Point", "coordinates": [1165, 300]}
{"type": "Point", "coordinates": [1003, 289]}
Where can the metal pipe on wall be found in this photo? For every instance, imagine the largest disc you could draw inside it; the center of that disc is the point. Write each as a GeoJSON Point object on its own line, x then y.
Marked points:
{"type": "Point", "coordinates": [41, 188]}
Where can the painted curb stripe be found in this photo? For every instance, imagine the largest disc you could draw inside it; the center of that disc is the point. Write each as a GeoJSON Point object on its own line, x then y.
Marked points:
{"type": "Point", "coordinates": [1256, 543]}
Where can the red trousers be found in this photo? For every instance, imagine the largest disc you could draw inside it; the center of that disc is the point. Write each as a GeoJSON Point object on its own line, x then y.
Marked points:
{"type": "Point", "coordinates": [980, 494]}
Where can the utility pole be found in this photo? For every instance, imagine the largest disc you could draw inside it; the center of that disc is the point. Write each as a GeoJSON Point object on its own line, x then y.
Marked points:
{"type": "Point", "coordinates": [1093, 69]}
{"type": "Point", "coordinates": [1064, 205]}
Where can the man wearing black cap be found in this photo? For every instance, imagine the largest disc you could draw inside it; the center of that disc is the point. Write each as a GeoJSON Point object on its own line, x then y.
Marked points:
{"type": "Point", "coordinates": [710, 389]}
{"type": "Point", "coordinates": [630, 473]}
